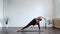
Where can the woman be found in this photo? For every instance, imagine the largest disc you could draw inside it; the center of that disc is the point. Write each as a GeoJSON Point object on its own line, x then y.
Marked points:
{"type": "Point", "coordinates": [34, 22]}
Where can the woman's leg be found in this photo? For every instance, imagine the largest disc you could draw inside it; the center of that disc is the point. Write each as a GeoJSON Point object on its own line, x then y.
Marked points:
{"type": "Point", "coordinates": [26, 26]}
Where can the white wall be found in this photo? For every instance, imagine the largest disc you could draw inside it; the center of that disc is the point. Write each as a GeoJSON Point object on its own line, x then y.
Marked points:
{"type": "Point", "coordinates": [21, 12]}
{"type": "Point", "coordinates": [48, 12]}
{"type": "Point", "coordinates": [57, 8]}
{"type": "Point", "coordinates": [1, 8]}
{"type": "Point", "coordinates": [1, 11]}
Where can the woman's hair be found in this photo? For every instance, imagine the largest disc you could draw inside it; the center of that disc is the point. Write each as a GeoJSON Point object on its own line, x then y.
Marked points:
{"type": "Point", "coordinates": [39, 19]}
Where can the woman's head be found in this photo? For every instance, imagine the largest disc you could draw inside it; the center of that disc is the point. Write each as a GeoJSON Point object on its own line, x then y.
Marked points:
{"type": "Point", "coordinates": [39, 18]}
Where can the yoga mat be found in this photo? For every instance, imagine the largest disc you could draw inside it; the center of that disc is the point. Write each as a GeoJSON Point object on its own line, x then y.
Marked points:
{"type": "Point", "coordinates": [30, 31]}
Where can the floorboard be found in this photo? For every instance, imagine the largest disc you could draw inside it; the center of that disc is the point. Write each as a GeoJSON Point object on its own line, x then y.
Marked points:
{"type": "Point", "coordinates": [13, 30]}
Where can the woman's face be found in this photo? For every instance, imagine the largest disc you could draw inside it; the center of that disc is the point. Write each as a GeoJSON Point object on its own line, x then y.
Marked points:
{"type": "Point", "coordinates": [39, 19]}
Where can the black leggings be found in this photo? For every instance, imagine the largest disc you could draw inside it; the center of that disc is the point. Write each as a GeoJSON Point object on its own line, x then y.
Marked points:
{"type": "Point", "coordinates": [30, 25]}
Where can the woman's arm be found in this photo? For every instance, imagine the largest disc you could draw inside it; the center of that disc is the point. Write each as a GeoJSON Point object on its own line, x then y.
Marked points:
{"type": "Point", "coordinates": [43, 17]}
{"type": "Point", "coordinates": [39, 26]}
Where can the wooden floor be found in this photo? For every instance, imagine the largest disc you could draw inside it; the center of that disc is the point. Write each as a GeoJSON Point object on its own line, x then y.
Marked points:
{"type": "Point", "coordinates": [13, 30]}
